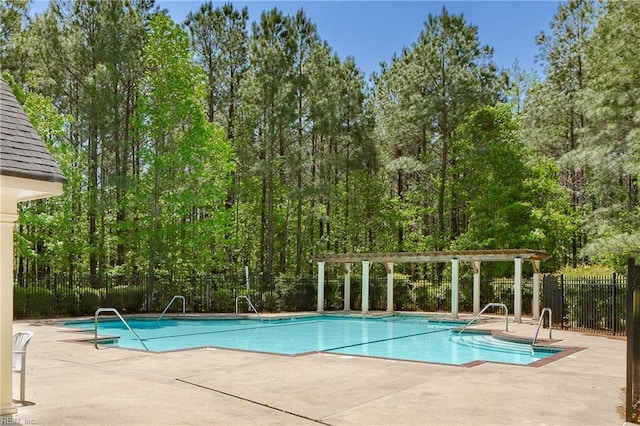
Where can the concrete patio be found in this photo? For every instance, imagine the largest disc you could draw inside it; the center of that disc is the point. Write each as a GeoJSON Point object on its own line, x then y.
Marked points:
{"type": "Point", "coordinates": [70, 383]}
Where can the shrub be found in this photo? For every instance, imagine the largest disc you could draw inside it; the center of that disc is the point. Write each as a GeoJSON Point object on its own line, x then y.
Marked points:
{"type": "Point", "coordinates": [89, 300]}
{"type": "Point", "coordinates": [67, 302]}
{"type": "Point", "coordinates": [223, 300]}
{"type": "Point", "coordinates": [40, 303]}
{"type": "Point", "coordinates": [126, 299]}
{"type": "Point", "coordinates": [402, 295]}
{"type": "Point", "coordinates": [19, 302]}
{"type": "Point", "coordinates": [134, 298]}
{"type": "Point", "coordinates": [295, 294]}
{"type": "Point", "coordinates": [271, 301]}
{"type": "Point", "coordinates": [333, 296]}
{"type": "Point", "coordinates": [377, 293]}
{"type": "Point", "coordinates": [111, 298]}
{"type": "Point", "coordinates": [433, 297]}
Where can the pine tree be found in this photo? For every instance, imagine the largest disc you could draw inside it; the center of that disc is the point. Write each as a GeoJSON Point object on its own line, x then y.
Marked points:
{"type": "Point", "coordinates": [427, 92]}
{"type": "Point", "coordinates": [555, 117]}
{"type": "Point", "coordinates": [611, 143]}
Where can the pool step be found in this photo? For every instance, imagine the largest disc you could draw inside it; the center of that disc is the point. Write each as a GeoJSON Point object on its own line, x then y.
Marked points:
{"type": "Point", "coordinates": [484, 341]}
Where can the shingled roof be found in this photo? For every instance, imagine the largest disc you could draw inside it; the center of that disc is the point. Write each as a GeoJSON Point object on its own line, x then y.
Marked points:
{"type": "Point", "coordinates": [23, 154]}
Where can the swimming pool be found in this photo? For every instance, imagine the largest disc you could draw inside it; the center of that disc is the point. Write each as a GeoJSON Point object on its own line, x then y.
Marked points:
{"type": "Point", "coordinates": [398, 337]}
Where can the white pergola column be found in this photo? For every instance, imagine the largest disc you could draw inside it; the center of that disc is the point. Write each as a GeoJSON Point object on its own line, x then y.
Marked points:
{"type": "Point", "coordinates": [454, 287]}
{"type": "Point", "coordinates": [517, 290]}
{"type": "Point", "coordinates": [320, 286]}
{"type": "Point", "coordinates": [365, 286]}
{"type": "Point", "coordinates": [8, 217]}
{"type": "Point", "coordinates": [535, 303]}
{"type": "Point", "coordinates": [347, 286]}
{"type": "Point", "coordinates": [476, 286]}
{"type": "Point", "coordinates": [389, 267]}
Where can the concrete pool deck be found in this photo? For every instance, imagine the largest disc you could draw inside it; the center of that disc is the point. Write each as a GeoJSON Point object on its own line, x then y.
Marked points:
{"type": "Point", "coordinates": [71, 383]}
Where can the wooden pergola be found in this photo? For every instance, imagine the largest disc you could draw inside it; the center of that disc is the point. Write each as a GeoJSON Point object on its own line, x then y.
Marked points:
{"type": "Point", "coordinates": [474, 257]}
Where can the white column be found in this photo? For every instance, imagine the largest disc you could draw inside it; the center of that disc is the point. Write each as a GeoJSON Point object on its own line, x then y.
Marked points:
{"type": "Point", "coordinates": [365, 286]}
{"type": "Point", "coordinates": [320, 286]}
{"type": "Point", "coordinates": [8, 217]}
{"type": "Point", "coordinates": [535, 303]}
{"type": "Point", "coordinates": [347, 287]}
{"type": "Point", "coordinates": [454, 287]}
{"type": "Point", "coordinates": [476, 286]}
{"type": "Point", "coordinates": [517, 290]}
{"type": "Point", "coordinates": [389, 286]}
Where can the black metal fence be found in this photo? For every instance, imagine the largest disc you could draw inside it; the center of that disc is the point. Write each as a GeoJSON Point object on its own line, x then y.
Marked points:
{"type": "Point", "coordinates": [594, 304]}
{"type": "Point", "coordinates": [587, 303]}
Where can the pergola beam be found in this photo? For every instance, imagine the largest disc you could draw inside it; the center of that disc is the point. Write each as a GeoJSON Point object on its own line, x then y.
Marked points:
{"type": "Point", "coordinates": [435, 256]}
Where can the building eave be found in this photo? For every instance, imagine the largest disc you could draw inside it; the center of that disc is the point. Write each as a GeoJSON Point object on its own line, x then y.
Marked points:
{"type": "Point", "coordinates": [23, 189]}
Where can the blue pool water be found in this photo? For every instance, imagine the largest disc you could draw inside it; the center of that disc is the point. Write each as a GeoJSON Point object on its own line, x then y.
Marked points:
{"type": "Point", "coordinates": [398, 337]}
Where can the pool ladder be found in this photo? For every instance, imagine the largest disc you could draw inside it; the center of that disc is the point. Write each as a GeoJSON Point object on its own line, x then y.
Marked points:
{"type": "Point", "coordinates": [250, 305]}
{"type": "Point", "coordinates": [169, 304]}
{"type": "Point", "coordinates": [115, 311]}
{"type": "Point", "coordinates": [489, 305]}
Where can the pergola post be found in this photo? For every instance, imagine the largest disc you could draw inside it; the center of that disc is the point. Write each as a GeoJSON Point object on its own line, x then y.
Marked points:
{"type": "Point", "coordinates": [365, 286]}
{"type": "Point", "coordinates": [8, 217]}
{"type": "Point", "coordinates": [320, 286]}
{"type": "Point", "coordinates": [475, 257]}
{"type": "Point", "coordinates": [389, 266]}
{"type": "Point", "coordinates": [347, 286]}
{"type": "Point", "coordinates": [517, 290]}
{"type": "Point", "coordinates": [476, 286]}
{"type": "Point", "coordinates": [454, 286]}
{"type": "Point", "coordinates": [535, 303]}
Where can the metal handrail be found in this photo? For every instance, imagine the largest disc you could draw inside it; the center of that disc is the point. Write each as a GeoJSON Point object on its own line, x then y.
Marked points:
{"type": "Point", "coordinates": [506, 315]}
{"type": "Point", "coordinates": [169, 304]}
{"type": "Point", "coordinates": [115, 311]}
{"type": "Point", "coordinates": [250, 305]}
{"type": "Point", "coordinates": [535, 336]}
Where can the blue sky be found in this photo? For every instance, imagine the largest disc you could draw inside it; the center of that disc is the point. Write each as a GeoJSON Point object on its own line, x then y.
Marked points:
{"type": "Point", "coordinates": [372, 31]}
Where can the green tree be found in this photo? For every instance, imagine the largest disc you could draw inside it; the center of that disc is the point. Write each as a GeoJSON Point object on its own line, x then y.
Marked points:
{"type": "Point", "coordinates": [87, 56]}
{"type": "Point", "coordinates": [426, 93]}
{"type": "Point", "coordinates": [554, 119]}
{"type": "Point", "coordinates": [611, 140]}
{"type": "Point", "coordinates": [519, 84]}
{"type": "Point", "coordinates": [514, 199]}
{"type": "Point", "coordinates": [12, 17]}
{"type": "Point", "coordinates": [269, 112]}
{"type": "Point", "coordinates": [219, 39]}
{"type": "Point", "coordinates": [188, 161]}
{"type": "Point", "coordinates": [44, 240]}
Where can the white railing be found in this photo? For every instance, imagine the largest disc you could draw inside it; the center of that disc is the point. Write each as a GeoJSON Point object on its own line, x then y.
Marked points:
{"type": "Point", "coordinates": [250, 305]}
{"type": "Point", "coordinates": [115, 311]}
{"type": "Point", "coordinates": [169, 304]}
{"type": "Point", "coordinates": [501, 305]}
{"type": "Point", "coordinates": [535, 336]}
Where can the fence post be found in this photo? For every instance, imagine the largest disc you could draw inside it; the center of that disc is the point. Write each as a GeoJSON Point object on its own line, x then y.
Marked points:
{"type": "Point", "coordinates": [614, 305]}
{"type": "Point", "coordinates": [632, 410]}
{"type": "Point", "coordinates": [208, 293]}
{"type": "Point", "coordinates": [561, 300]}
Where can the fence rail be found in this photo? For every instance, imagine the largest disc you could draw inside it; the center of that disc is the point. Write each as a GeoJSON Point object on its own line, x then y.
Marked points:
{"type": "Point", "coordinates": [591, 304]}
